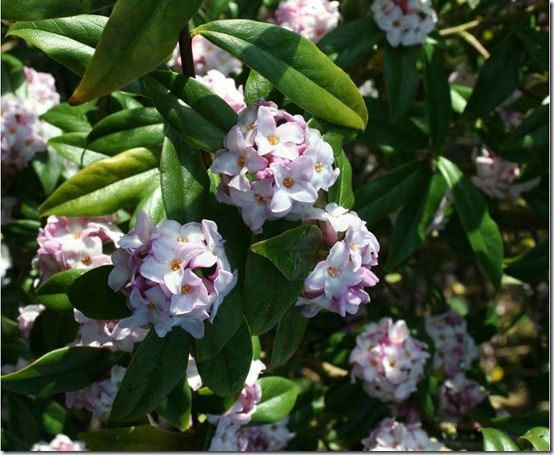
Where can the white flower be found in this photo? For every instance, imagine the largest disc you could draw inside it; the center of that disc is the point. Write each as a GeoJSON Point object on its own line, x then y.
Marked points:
{"type": "Point", "coordinates": [61, 443]}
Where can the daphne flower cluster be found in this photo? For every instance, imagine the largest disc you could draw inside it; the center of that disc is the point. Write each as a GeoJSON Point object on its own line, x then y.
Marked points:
{"type": "Point", "coordinates": [23, 133]}
{"type": "Point", "coordinates": [27, 316]}
{"type": "Point", "coordinates": [61, 443]}
{"type": "Point", "coordinates": [273, 165]}
{"type": "Point", "coordinates": [207, 56]}
{"type": "Point", "coordinates": [309, 18]}
{"type": "Point", "coordinates": [174, 275]}
{"type": "Point", "coordinates": [107, 334]}
{"type": "Point", "coordinates": [99, 396]}
{"type": "Point", "coordinates": [224, 87]}
{"type": "Point", "coordinates": [5, 263]}
{"type": "Point", "coordinates": [388, 360]}
{"type": "Point", "coordinates": [458, 396]}
{"type": "Point", "coordinates": [391, 435]}
{"type": "Point", "coordinates": [74, 243]}
{"type": "Point", "coordinates": [406, 22]}
{"type": "Point", "coordinates": [337, 283]}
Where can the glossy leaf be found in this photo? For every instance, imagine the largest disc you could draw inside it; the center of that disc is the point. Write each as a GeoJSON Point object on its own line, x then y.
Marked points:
{"type": "Point", "coordinates": [438, 105]}
{"type": "Point", "coordinates": [401, 78]}
{"type": "Point", "coordinates": [385, 194]}
{"type": "Point", "coordinates": [155, 369]}
{"type": "Point", "coordinates": [539, 438]}
{"type": "Point", "coordinates": [32, 10]}
{"type": "Point", "coordinates": [278, 398]}
{"type": "Point", "coordinates": [62, 370]}
{"type": "Point", "coordinates": [92, 296]}
{"type": "Point", "coordinates": [13, 77]}
{"type": "Point", "coordinates": [72, 146]}
{"type": "Point", "coordinates": [123, 130]}
{"type": "Point", "coordinates": [196, 113]}
{"type": "Point", "coordinates": [294, 252]}
{"type": "Point", "coordinates": [226, 372]}
{"type": "Point", "coordinates": [176, 408]}
{"type": "Point", "coordinates": [496, 441]}
{"type": "Point", "coordinates": [257, 87]}
{"type": "Point", "coordinates": [341, 192]}
{"type": "Point", "coordinates": [70, 119]}
{"type": "Point", "coordinates": [105, 186]}
{"type": "Point", "coordinates": [412, 223]}
{"type": "Point", "coordinates": [48, 168]}
{"type": "Point", "coordinates": [152, 203]}
{"type": "Point", "coordinates": [137, 38]}
{"type": "Point", "coordinates": [134, 439]}
{"type": "Point", "coordinates": [69, 41]}
{"type": "Point", "coordinates": [184, 180]}
{"type": "Point", "coordinates": [532, 266]}
{"type": "Point", "coordinates": [53, 292]}
{"type": "Point", "coordinates": [482, 231]}
{"type": "Point", "coordinates": [52, 329]}
{"type": "Point", "coordinates": [288, 336]}
{"type": "Point", "coordinates": [294, 65]}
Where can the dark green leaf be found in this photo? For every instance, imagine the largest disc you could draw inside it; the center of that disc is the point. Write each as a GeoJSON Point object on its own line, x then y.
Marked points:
{"type": "Point", "coordinates": [531, 135]}
{"type": "Point", "coordinates": [69, 41]}
{"type": "Point", "coordinates": [53, 292]}
{"type": "Point", "coordinates": [294, 65]}
{"type": "Point", "coordinates": [427, 391]}
{"type": "Point", "coordinates": [54, 418]}
{"type": "Point", "coordinates": [482, 231]}
{"type": "Point", "coordinates": [257, 87]}
{"type": "Point", "coordinates": [32, 10]}
{"type": "Point", "coordinates": [152, 204]}
{"type": "Point", "coordinates": [155, 369]}
{"type": "Point", "coordinates": [72, 146]}
{"type": "Point", "coordinates": [52, 329]}
{"type": "Point", "coordinates": [341, 192]}
{"type": "Point", "coordinates": [62, 370]}
{"type": "Point", "coordinates": [401, 78]}
{"type": "Point", "coordinates": [278, 398]}
{"type": "Point", "coordinates": [288, 336]}
{"type": "Point", "coordinates": [496, 441]}
{"type": "Point", "coordinates": [539, 438]}
{"type": "Point", "coordinates": [48, 167]}
{"type": "Point", "coordinates": [70, 119]}
{"type": "Point", "coordinates": [13, 77]}
{"type": "Point", "coordinates": [134, 439]}
{"type": "Point", "coordinates": [137, 38]}
{"type": "Point", "coordinates": [176, 408]}
{"type": "Point", "coordinates": [532, 266]}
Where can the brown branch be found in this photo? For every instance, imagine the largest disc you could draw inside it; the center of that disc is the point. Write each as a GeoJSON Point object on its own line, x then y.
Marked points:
{"type": "Point", "coordinates": [185, 49]}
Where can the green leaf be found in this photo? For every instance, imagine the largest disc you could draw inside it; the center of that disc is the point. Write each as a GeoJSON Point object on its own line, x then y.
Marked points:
{"type": "Point", "coordinates": [482, 231]}
{"type": "Point", "coordinates": [137, 38]}
{"type": "Point", "coordinates": [531, 135]}
{"type": "Point", "coordinates": [497, 79]}
{"type": "Point", "coordinates": [412, 223]}
{"type": "Point", "coordinates": [176, 408]}
{"type": "Point", "coordinates": [52, 329]}
{"type": "Point", "coordinates": [155, 369]}
{"type": "Point", "coordinates": [352, 43]}
{"type": "Point", "coordinates": [225, 325]}
{"type": "Point", "coordinates": [226, 372]}
{"type": "Point", "coordinates": [294, 65]}
{"type": "Point", "coordinates": [294, 252]}
{"type": "Point", "coordinates": [184, 180]}
{"type": "Point", "coordinates": [152, 204]}
{"type": "Point", "coordinates": [92, 296]}
{"type": "Point", "coordinates": [438, 105]}
{"type": "Point", "coordinates": [13, 77]}
{"type": "Point", "coordinates": [105, 186]}
{"type": "Point", "coordinates": [54, 418]}
{"type": "Point", "coordinates": [427, 391]}
{"type": "Point", "coordinates": [32, 10]}
{"type": "Point", "coordinates": [267, 293]}
{"type": "Point", "coordinates": [72, 146]}
{"type": "Point", "coordinates": [539, 438]}
{"type": "Point", "coordinates": [69, 41]}
{"type": "Point", "coordinates": [257, 87]}
{"type": "Point", "coordinates": [48, 168]}
{"type": "Point", "coordinates": [70, 119]}
{"type": "Point", "coordinates": [196, 113]}
{"type": "Point", "coordinates": [496, 441]}
{"type": "Point", "coordinates": [288, 336]}
{"type": "Point", "coordinates": [341, 192]}
{"type": "Point", "coordinates": [53, 292]}
{"type": "Point", "coordinates": [62, 370]}
{"type": "Point", "coordinates": [278, 398]}
{"type": "Point", "coordinates": [388, 192]}
{"type": "Point", "coordinates": [123, 130]}
{"type": "Point", "coordinates": [532, 266]}
{"type": "Point", "coordinates": [134, 439]}
{"type": "Point", "coordinates": [401, 78]}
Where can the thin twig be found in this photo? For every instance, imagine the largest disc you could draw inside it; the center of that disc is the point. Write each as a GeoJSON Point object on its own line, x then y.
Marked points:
{"type": "Point", "coordinates": [475, 43]}
{"type": "Point", "coordinates": [185, 49]}
{"type": "Point", "coordinates": [459, 28]}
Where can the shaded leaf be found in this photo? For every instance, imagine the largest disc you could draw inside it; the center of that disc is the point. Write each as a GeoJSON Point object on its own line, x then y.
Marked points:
{"type": "Point", "coordinates": [288, 336]}
{"type": "Point", "coordinates": [278, 398]}
{"type": "Point", "coordinates": [53, 292]}
{"type": "Point", "coordinates": [32, 10]}
{"type": "Point", "coordinates": [134, 439]}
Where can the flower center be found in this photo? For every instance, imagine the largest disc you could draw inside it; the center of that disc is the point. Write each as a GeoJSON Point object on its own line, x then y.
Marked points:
{"type": "Point", "coordinates": [273, 140]}
{"type": "Point", "coordinates": [241, 161]}
{"type": "Point", "coordinates": [151, 306]}
{"type": "Point", "coordinates": [251, 125]}
{"type": "Point", "coordinates": [77, 235]}
{"type": "Point", "coordinates": [86, 260]}
{"type": "Point", "coordinates": [333, 271]}
{"type": "Point", "coordinates": [392, 363]}
{"type": "Point", "coordinates": [175, 265]}
{"type": "Point", "coordinates": [318, 167]}
{"type": "Point", "coordinates": [186, 289]}
{"type": "Point", "coordinates": [259, 199]}
{"type": "Point", "coordinates": [288, 182]}
{"type": "Point", "coordinates": [182, 239]}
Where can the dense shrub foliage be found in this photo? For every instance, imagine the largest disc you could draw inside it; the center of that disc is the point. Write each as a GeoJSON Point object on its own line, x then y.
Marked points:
{"type": "Point", "coordinates": [263, 225]}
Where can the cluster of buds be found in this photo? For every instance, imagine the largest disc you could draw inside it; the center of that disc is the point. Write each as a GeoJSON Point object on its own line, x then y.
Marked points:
{"type": "Point", "coordinates": [27, 316]}
{"type": "Point", "coordinates": [23, 133]}
{"type": "Point", "coordinates": [273, 165]}
{"type": "Point", "coordinates": [391, 435]}
{"type": "Point", "coordinates": [309, 18]}
{"type": "Point", "coordinates": [337, 283]}
{"type": "Point", "coordinates": [173, 274]}
{"type": "Point", "coordinates": [224, 87]}
{"type": "Point", "coordinates": [74, 243]}
{"type": "Point", "coordinates": [458, 396]}
{"type": "Point", "coordinates": [207, 56]}
{"type": "Point", "coordinates": [61, 443]}
{"type": "Point", "coordinates": [406, 22]}
{"type": "Point", "coordinates": [98, 397]}
{"type": "Point", "coordinates": [388, 360]}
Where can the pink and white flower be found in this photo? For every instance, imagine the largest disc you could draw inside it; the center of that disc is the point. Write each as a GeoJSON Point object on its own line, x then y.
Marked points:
{"type": "Point", "coordinates": [388, 360]}
{"type": "Point", "coordinates": [98, 397]}
{"type": "Point", "coordinates": [458, 396]}
{"type": "Point", "coordinates": [273, 165]}
{"type": "Point", "coordinates": [391, 435]}
{"type": "Point", "coordinates": [312, 19]}
{"type": "Point", "coordinates": [337, 283]}
{"type": "Point", "coordinates": [61, 443]}
{"type": "Point", "coordinates": [27, 316]}
{"type": "Point", "coordinates": [5, 263]}
{"type": "Point", "coordinates": [406, 22]}
{"type": "Point", "coordinates": [173, 274]}
{"type": "Point", "coordinates": [224, 87]}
